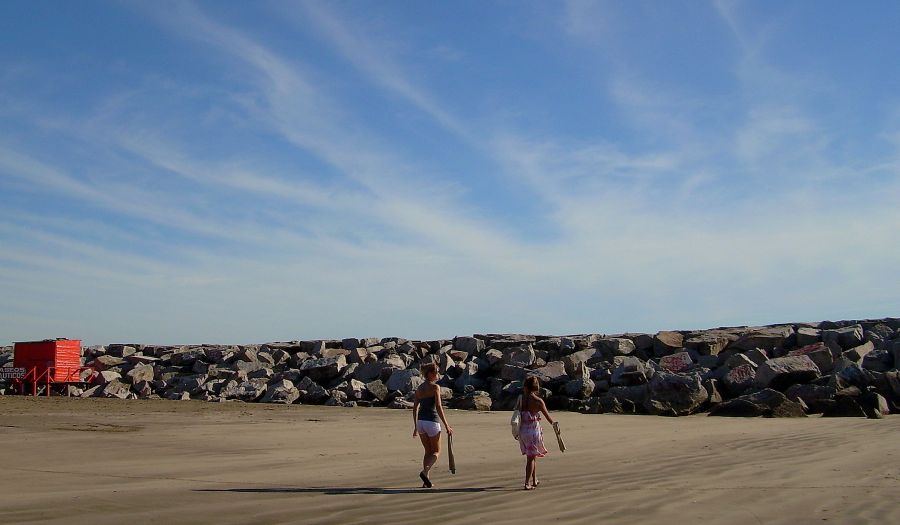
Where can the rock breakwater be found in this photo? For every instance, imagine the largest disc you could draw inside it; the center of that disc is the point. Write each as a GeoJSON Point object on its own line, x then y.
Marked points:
{"type": "Point", "coordinates": [843, 368]}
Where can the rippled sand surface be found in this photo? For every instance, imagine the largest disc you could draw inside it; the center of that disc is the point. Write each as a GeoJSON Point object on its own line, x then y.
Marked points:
{"type": "Point", "coordinates": [112, 461]}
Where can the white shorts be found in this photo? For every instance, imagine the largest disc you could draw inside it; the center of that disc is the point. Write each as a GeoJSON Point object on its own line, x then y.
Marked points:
{"type": "Point", "coordinates": [429, 428]}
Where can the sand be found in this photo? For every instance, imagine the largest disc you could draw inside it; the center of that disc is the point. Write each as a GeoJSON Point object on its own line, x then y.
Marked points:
{"type": "Point", "coordinates": [111, 461]}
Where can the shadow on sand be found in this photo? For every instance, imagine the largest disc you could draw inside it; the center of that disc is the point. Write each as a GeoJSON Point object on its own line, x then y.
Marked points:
{"type": "Point", "coordinates": [346, 491]}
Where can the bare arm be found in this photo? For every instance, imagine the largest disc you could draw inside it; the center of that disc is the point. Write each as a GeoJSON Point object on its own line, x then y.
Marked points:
{"type": "Point", "coordinates": [543, 408]}
{"type": "Point", "coordinates": [439, 404]}
{"type": "Point", "coordinates": [415, 415]}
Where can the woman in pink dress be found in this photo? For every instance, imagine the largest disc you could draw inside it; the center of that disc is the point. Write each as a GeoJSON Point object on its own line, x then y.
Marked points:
{"type": "Point", "coordinates": [531, 437]}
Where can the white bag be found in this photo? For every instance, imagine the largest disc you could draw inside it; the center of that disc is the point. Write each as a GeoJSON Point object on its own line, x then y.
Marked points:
{"type": "Point", "coordinates": [516, 421]}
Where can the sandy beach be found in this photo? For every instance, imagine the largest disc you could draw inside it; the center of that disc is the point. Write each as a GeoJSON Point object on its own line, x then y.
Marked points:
{"type": "Point", "coordinates": [114, 461]}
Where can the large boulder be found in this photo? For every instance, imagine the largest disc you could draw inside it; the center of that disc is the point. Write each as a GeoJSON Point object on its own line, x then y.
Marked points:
{"type": "Point", "coordinates": [613, 346]}
{"type": "Point", "coordinates": [707, 343]}
{"type": "Point", "coordinates": [667, 342]}
{"type": "Point", "coordinates": [808, 336]}
{"type": "Point", "coordinates": [764, 338]}
{"type": "Point", "coordinates": [325, 368]}
{"type": "Point", "coordinates": [249, 390]}
{"type": "Point", "coordinates": [469, 345]}
{"type": "Point", "coordinates": [477, 400]}
{"type": "Point", "coordinates": [782, 372]}
{"type": "Point", "coordinates": [846, 337]}
{"type": "Point", "coordinates": [817, 398]}
{"type": "Point", "coordinates": [630, 371]}
{"type": "Point", "coordinates": [552, 372]}
{"type": "Point", "coordinates": [579, 388]}
{"type": "Point", "coordinates": [311, 392]}
{"type": "Point", "coordinates": [766, 403]}
{"type": "Point", "coordinates": [140, 373]}
{"type": "Point", "coordinates": [675, 394]}
{"type": "Point", "coordinates": [677, 362]}
{"type": "Point", "coordinates": [857, 353]}
{"type": "Point", "coordinates": [281, 392]}
{"type": "Point", "coordinates": [739, 379]}
{"type": "Point", "coordinates": [820, 355]}
{"type": "Point", "coordinates": [115, 388]}
{"type": "Point", "coordinates": [377, 390]}
{"type": "Point", "coordinates": [405, 381]}
{"type": "Point", "coordinates": [523, 356]}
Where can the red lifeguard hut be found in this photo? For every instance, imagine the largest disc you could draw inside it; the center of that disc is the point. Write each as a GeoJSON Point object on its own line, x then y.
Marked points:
{"type": "Point", "coordinates": [51, 361]}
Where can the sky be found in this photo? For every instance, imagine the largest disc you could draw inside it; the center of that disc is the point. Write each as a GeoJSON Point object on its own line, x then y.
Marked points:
{"type": "Point", "coordinates": [189, 172]}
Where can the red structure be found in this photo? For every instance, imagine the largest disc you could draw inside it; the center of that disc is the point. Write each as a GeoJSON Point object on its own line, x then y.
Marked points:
{"type": "Point", "coordinates": [49, 361]}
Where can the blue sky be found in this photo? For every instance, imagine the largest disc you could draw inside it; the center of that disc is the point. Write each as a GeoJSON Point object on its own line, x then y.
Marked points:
{"type": "Point", "coordinates": [177, 172]}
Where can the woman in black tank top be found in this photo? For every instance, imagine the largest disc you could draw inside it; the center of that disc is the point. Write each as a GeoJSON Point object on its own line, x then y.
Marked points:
{"type": "Point", "coordinates": [428, 413]}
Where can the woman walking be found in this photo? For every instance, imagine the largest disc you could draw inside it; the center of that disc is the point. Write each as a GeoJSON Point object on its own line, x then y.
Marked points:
{"type": "Point", "coordinates": [427, 408]}
{"type": "Point", "coordinates": [531, 437]}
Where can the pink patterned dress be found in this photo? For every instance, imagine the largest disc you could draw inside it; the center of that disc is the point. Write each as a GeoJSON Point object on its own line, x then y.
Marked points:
{"type": "Point", "coordinates": [531, 437]}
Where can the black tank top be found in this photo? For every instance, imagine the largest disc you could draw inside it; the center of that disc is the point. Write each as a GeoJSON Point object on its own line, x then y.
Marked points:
{"type": "Point", "coordinates": [427, 410]}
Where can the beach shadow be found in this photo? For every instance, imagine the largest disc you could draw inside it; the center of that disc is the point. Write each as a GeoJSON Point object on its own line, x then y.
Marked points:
{"type": "Point", "coordinates": [350, 491]}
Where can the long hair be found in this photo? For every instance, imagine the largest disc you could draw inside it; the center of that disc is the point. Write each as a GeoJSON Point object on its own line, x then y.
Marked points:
{"type": "Point", "coordinates": [428, 368]}
{"type": "Point", "coordinates": [532, 385]}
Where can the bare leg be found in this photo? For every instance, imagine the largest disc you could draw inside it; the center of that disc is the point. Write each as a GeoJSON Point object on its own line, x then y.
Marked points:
{"type": "Point", "coordinates": [534, 481]}
{"type": "Point", "coordinates": [427, 460]}
{"type": "Point", "coordinates": [529, 467]}
{"type": "Point", "coordinates": [430, 460]}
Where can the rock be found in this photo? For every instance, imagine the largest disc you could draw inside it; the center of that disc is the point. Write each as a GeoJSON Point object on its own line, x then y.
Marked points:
{"type": "Point", "coordinates": [106, 376]}
{"type": "Point", "coordinates": [846, 337]}
{"type": "Point", "coordinates": [311, 392]}
{"type": "Point", "coordinates": [712, 388]}
{"type": "Point", "coordinates": [355, 390]}
{"type": "Point", "coordinates": [739, 379]}
{"type": "Point", "coordinates": [816, 397]}
{"type": "Point", "coordinates": [782, 372]}
{"type": "Point", "coordinates": [312, 347]}
{"type": "Point", "coordinates": [513, 373]}
{"type": "Point", "coordinates": [665, 343]}
{"type": "Point", "coordinates": [477, 400]}
{"type": "Point", "coordinates": [350, 343]}
{"type": "Point", "coordinates": [335, 352]}
{"type": "Point", "coordinates": [185, 357]}
{"type": "Point", "coordinates": [707, 344]}
{"type": "Point", "coordinates": [367, 372]}
{"type": "Point", "coordinates": [404, 380]}
{"type": "Point", "coordinates": [249, 390]}
{"type": "Point", "coordinates": [874, 405]}
{"type": "Point", "coordinates": [808, 336]}
{"type": "Point", "coordinates": [105, 362]}
{"type": "Point", "coordinates": [400, 403]}
{"type": "Point", "coordinates": [115, 388]}
{"type": "Point", "coordinates": [122, 351]}
{"type": "Point", "coordinates": [739, 359]}
{"type": "Point", "coordinates": [820, 355]}
{"type": "Point", "coordinates": [675, 394]}
{"type": "Point", "coordinates": [857, 353]}
{"type": "Point", "coordinates": [851, 374]}
{"type": "Point", "coordinates": [552, 373]}
{"type": "Point", "coordinates": [324, 368]}
{"type": "Point", "coordinates": [613, 346]}
{"type": "Point", "coordinates": [878, 361]}
{"type": "Point", "coordinates": [579, 388]}
{"type": "Point", "coordinates": [282, 392]}
{"type": "Point", "coordinates": [377, 390]}
{"type": "Point", "coordinates": [844, 406]}
{"type": "Point", "coordinates": [522, 357]}
{"type": "Point", "coordinates": [678, 362]}
{"type": "Point", "coordinates": [136, 359]}
{"type": "Point", "coordinates": [140, 373]}
{"type": "Point", "coordinates": [763, 338]}
{"type": "Point", "coordinates": [766, 403]}
{"type": "Point", "coordinates": [757, 355]}
{"type": "Point", "coordinates": [630, 371]}
{"type": "Point", "coordinates": [469, 345]}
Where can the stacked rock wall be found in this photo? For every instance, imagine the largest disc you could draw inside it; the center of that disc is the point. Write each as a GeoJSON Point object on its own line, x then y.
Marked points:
{"type": "Point", "coordinates": [845, 368]}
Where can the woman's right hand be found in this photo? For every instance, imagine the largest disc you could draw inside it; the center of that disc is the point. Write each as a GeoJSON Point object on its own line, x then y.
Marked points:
{"type": "Point", "coordinates": [449, 430]}
{"type": "Point", "coordinates": [415, 432]}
